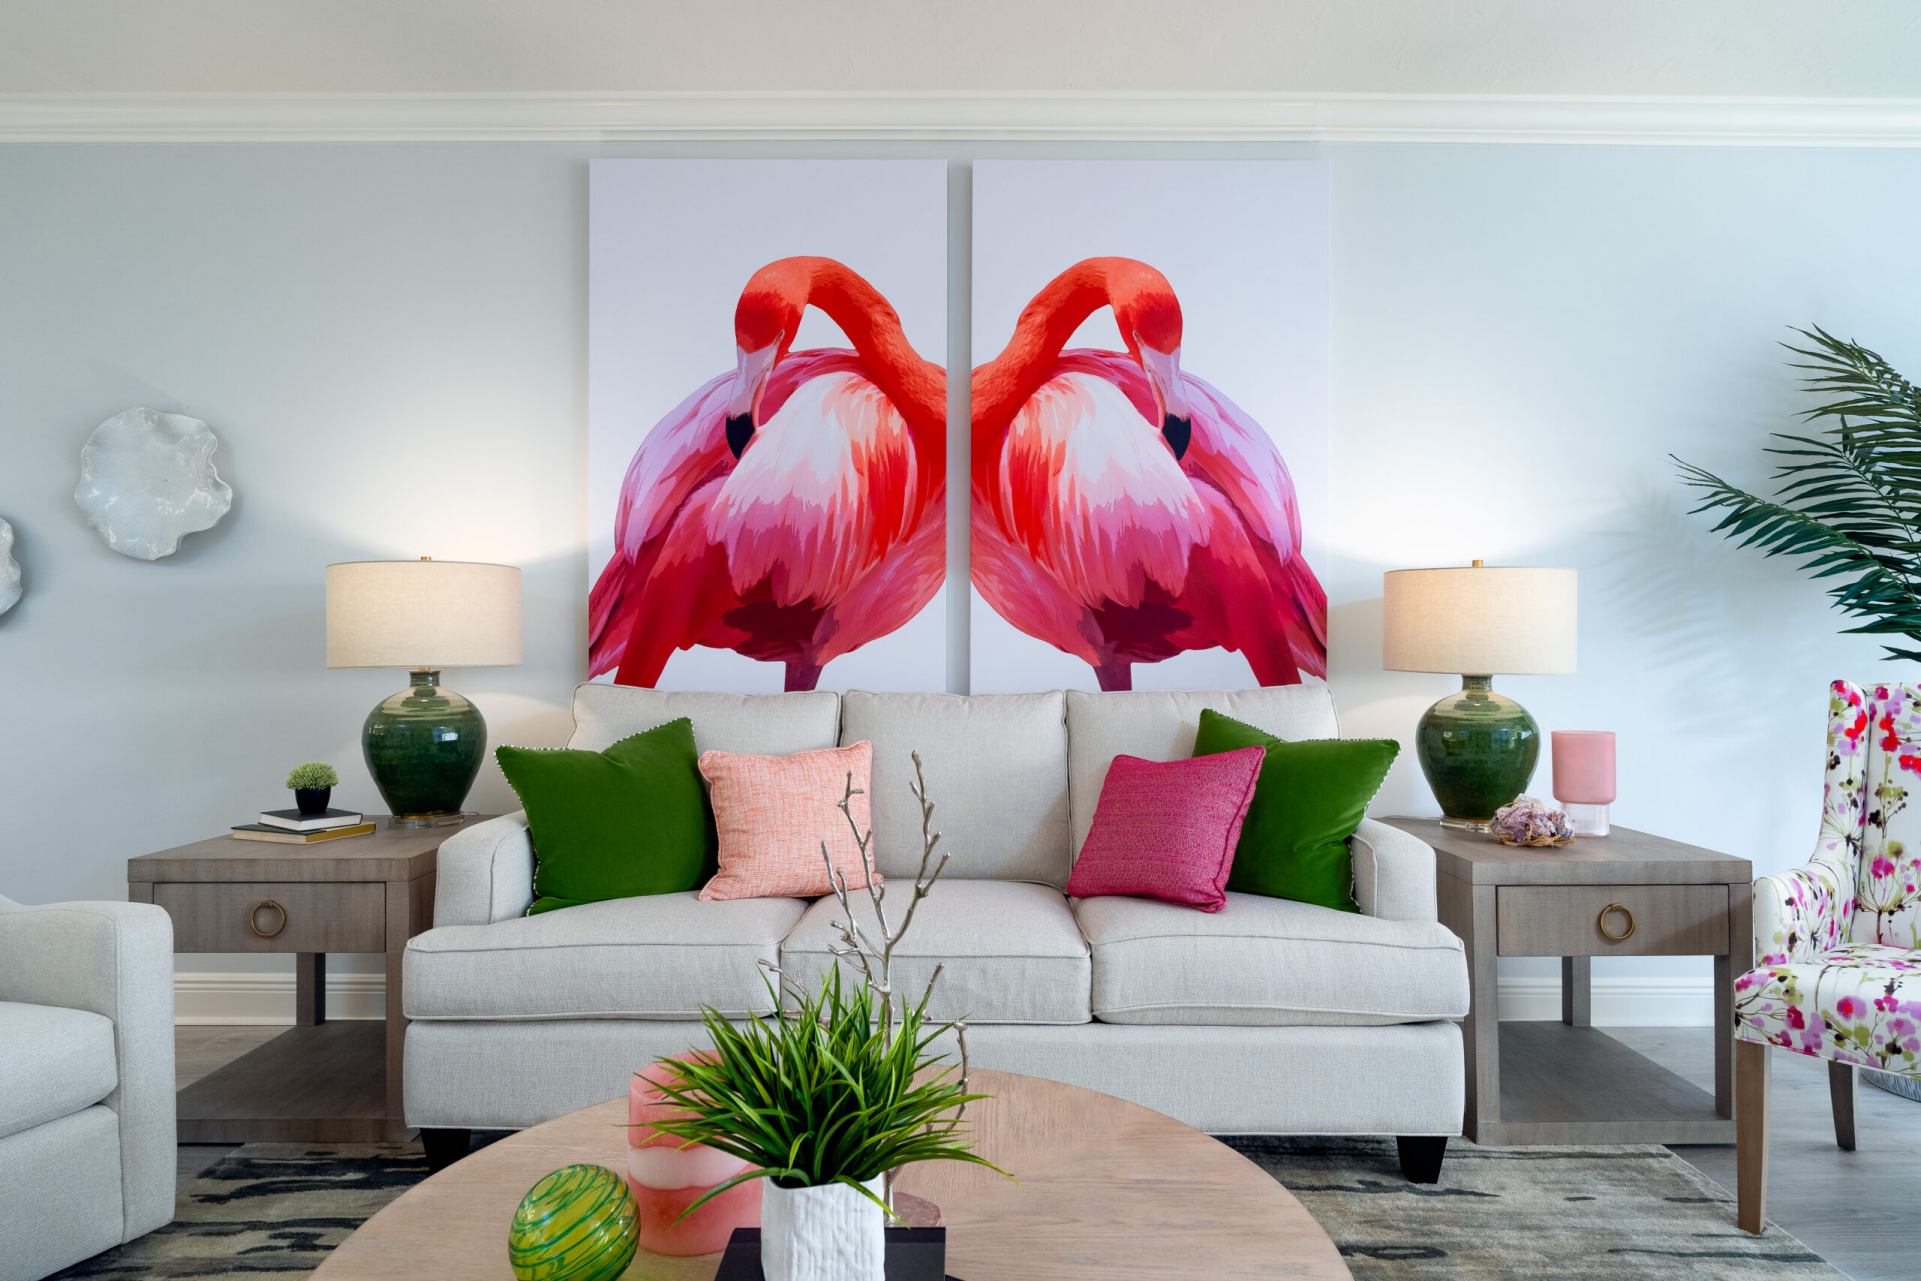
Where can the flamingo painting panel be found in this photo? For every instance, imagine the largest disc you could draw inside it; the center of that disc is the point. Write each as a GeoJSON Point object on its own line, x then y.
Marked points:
{"type": "Point", "coordinates": [1149, 434]}
{"type": "Point", "coordinates": [766, 435]}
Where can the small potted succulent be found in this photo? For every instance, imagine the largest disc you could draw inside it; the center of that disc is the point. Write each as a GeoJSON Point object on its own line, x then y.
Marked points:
{"type": "Point", "coordinates": [312, 785]}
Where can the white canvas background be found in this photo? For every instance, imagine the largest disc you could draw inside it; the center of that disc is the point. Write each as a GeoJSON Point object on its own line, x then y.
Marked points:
{"type": "Point", "coordinates": [670, 244]}
{"type": "Point", "coordinates": [1245, 246]}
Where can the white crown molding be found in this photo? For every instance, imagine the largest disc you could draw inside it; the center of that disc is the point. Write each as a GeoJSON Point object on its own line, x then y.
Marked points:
{"type": "Point", "coordinates": [943, 115]}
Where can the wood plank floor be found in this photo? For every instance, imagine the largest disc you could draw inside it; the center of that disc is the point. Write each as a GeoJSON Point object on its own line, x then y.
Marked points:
{"type": "Point", "coordinates": [1854, 1208]}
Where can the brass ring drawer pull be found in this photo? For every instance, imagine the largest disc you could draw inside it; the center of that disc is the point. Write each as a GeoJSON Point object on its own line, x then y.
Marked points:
{"type": "Point", "coordinates": [253, 918]}
{"type": "Point", "coordinates": [1601, 923]}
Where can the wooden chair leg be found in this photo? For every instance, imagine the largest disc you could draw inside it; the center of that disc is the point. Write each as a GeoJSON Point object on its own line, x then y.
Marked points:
{"type": "Point", "coordinates": [1841, 1092]}
{"type": "Point", "coordinates": [1751, 1134]}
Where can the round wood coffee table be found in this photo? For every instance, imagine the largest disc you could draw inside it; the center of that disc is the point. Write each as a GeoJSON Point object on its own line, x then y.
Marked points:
{"type": "Point", "coordinates": [1108, 1190]}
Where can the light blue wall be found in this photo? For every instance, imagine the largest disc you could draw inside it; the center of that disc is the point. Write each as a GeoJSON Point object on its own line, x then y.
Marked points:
{"type": "Point", "coordinates": [390, 342]}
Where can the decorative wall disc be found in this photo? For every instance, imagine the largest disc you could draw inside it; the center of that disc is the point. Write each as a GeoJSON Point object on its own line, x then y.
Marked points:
{"type": "Point", "coordinates": [9, 570]}
{"type": "Point", "coordinates": [147, 479]}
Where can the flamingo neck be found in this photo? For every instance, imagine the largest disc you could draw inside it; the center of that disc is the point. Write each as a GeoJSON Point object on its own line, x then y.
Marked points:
{"type": "Point", "coordinates": [917, 387]}
{"type": "Point", "coordinates": [1001, 387]}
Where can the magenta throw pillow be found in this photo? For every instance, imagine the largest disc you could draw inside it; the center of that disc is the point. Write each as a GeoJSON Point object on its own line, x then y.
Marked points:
{"type": "Point", "coordinates": [1167, 829]}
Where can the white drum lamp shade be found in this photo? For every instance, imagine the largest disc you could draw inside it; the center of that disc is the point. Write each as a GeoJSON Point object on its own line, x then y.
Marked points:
{"type": "Point", "coordinates": [423, 614]}
{"type": "Point", "coordinates": [424, 745]}
{"type": "Point", "coordinates": [1479, 621]}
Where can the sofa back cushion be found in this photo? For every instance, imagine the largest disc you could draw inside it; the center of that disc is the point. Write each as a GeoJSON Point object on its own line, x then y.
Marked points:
{"type": "Point", "coordinates": [752, 724]}
{"type": "Point", "coordinates": [996, 768]}
{"type": "Point", "coordinates": [1160, 725]}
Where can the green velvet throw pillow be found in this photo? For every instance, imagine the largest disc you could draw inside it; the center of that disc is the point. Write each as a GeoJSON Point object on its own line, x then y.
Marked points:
{"type": "Point", "coordinates": [1309, 799]}
{"type": "Point", "coordinates": [628, 821]}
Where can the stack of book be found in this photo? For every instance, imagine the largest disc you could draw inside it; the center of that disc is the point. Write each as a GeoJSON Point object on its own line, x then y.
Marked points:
{"type": "Point", "coordinates": [291, 827]}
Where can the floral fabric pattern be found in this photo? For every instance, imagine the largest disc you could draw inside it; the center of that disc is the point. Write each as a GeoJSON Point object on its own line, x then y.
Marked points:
{"type": "Point", "coordinates": [1887, 907]}
{"type": "Point", "coordinates": [1800, 914]}
{"type": "Point", "coordinates": [1860, 1003]}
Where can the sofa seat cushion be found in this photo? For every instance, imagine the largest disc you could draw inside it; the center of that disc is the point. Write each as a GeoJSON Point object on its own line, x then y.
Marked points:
{"type": "Point", "coordinates": [1011, 950]}
{"type": "Point", "coordinates": [55, 1062]}
{"type": "Point", "coordinates": [1267, 961]}
{"type": "Point", "coordinates": [663, 956]}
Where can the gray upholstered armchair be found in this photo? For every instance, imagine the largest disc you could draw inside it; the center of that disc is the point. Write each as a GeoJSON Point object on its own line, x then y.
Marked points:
{"type": "Point", "coordinates": [86, 1057]}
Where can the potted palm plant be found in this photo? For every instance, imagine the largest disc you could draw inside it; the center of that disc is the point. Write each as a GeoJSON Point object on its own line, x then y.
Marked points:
{"type": "Point", "coordinates": [832, 1093]}
{"type": "Point", "coordinates": [1849, 498]}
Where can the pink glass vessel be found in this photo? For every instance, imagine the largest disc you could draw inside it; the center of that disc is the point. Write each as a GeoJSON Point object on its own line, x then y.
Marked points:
{"type": "Point", "coordinates": [1584, 777]}
{"type": "Point", "coordinates": [667, 1176]}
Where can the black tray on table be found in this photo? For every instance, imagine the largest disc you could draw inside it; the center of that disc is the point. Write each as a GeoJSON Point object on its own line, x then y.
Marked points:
{"type": "Point", "coordinates": [913, 1254]}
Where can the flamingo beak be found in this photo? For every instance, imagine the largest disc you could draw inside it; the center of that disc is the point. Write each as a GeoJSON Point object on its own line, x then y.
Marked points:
{"type": "Point", "coordinates": [752, 369]}
{"type": "Point", "coordinates": [1163, 369]}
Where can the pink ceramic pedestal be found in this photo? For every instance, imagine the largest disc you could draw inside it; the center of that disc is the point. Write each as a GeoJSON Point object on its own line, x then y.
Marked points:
{"type": "Point", "coordinates": [667, 1177]}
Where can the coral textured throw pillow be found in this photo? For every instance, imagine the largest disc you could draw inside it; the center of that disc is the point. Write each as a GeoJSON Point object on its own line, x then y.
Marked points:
{"type": "Point", "coordinates": [773, 812]}
{"type": "Point", "coordinates": [1165, 830]}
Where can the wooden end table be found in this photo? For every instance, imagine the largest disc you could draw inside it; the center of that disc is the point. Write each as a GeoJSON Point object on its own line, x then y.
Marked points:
{"type": "Point", "coordinates": [1625, 894]}
{"type": "Point", "coordinates": [1107, 1189]}
{"type": "Point", "coordinates": [317, 1082]}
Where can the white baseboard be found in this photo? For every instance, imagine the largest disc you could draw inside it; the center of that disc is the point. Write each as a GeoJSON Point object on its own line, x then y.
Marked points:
{"type": "Point", "coordinates": [1616, 1002]}
{"type": "Point", "coordinates": [220, 996]}
{"type": "Point", "coordinates": [214, 996]}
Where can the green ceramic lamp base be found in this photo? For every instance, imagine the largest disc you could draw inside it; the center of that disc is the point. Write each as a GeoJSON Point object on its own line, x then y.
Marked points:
{"type": "Point", "coordinates": [1478, 750]}
{"type": "Point", "coordinates": [424, 747]}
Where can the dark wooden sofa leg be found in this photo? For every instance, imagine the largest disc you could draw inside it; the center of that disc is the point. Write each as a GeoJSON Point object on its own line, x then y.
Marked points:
{"type": "Point", "coordinates": [1421, 1156]}
{"type": "Point", "coordinates": [444, 1147]}
{"type": "Point", "coordinates": [1841, 1094]}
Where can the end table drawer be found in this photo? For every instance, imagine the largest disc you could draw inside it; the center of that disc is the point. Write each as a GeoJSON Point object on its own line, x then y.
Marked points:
{"type": "Point", "coordinates": [266, 916]}
{"type": "Point", "coordinates": [1611, 920]}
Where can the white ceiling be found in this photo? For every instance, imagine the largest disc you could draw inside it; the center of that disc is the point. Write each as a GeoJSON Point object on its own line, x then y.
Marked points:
{"type": "Point", "coordinates": [1666, 48]}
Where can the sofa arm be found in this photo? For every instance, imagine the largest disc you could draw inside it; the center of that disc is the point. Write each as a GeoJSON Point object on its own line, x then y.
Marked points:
{"type": "Point", "coordinates": [1801, 913]}
{"type": "Point", "coordinates": [115, 960]}
{"type": "Point", "coordinates": [485, 873]}
{"type": "Point", "coordinates": [1393, 873]}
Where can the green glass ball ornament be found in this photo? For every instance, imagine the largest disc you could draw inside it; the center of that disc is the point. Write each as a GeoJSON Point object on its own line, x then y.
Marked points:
{"type": "Point", "coordinates": [580, 1223]}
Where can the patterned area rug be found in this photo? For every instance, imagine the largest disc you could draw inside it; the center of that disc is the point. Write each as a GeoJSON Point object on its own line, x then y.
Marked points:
{"type": "Point", "coordinates": [266, 1208]}
{"type": "Point", "coordinates": [1593, 1213]}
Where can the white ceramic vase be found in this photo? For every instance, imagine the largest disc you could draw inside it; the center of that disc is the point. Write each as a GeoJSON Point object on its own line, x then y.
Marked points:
{"type": "Point", "coordinates": [828, 1233]}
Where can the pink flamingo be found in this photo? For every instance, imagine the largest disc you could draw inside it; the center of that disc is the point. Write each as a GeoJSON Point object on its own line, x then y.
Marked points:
{"type": "Point", "coordinates": [1124, 511]}
{"type": "Point", "coordinates": [790, 511]}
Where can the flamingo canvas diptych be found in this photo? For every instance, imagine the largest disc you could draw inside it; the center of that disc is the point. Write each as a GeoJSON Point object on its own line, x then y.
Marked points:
{"type": "Point", "coordinates": [769, 438]}
{"type": "Point", "coordinates": [767, 424]}
{"type": "Point", "coordinates": [1149, 439]}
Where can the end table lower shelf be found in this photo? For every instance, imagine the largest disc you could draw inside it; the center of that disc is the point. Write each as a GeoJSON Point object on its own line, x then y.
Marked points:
{"type": "Point", "coordinates": [1562, 1084]}
{"type": "Point", "coordinates": [325, 1083]}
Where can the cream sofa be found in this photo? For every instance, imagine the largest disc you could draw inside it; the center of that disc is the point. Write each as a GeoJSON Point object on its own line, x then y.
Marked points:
{"type": "Point", "coordinates": [86, 1059]}
{"type": "Point", "coordinates": [1270, 1016]}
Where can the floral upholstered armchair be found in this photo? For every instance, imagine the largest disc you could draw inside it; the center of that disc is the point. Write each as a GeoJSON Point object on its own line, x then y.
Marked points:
{"type": "Point", "coordinates": [1839, 938]}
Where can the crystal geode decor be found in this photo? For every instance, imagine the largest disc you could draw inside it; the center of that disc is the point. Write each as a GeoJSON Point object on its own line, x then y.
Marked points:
{"type": "Point", "coordinates": [147, 479]}
{"type": "Point", "coordinates": [9, 570]}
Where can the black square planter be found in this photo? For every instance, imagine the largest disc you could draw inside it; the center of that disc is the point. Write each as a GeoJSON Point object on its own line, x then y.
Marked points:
{"type": "Point", "coordinates": [913, 1254]}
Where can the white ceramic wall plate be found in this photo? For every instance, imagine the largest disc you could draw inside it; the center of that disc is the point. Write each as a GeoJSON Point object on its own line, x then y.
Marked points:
{"type": "Point", "coordinates": [9, 570]}
{"type": "Point", "coordinates": [147, 480]}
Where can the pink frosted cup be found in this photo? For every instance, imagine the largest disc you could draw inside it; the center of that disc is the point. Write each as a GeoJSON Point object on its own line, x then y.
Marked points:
{"type": "Point", "coordinates": [668, 1176]}
{"type": "Point", "coordinates": [1584, 766]}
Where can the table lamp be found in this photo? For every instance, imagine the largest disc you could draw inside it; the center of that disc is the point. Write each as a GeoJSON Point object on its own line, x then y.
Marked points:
{"type": "Point", "coordinates": [424, 745]}
{"type": "Point", "coordinates": [1477, 748]}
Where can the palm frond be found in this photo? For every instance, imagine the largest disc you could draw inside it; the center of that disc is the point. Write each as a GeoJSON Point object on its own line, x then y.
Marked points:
{"type": "Point", "coordinates": [1849, 499]}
